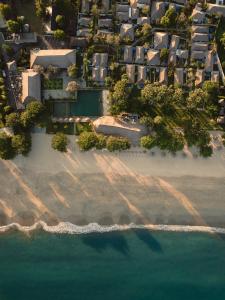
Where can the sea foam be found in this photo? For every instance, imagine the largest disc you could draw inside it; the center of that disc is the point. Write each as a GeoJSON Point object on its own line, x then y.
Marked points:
{"type": "Point", "coordinates": [69, 228]}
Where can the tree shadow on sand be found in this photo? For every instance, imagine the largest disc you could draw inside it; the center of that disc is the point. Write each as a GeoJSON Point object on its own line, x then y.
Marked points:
{"type": "Point", "coordinates": [101, 241]}
{"type": "Point", "coordinates": [145, 236]}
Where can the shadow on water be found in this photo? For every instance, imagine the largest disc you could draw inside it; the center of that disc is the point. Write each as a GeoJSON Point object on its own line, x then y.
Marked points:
{"type": "Point", "coordinates": [146, 237]}
{"type": "Point", "coordinates": [100, 241]}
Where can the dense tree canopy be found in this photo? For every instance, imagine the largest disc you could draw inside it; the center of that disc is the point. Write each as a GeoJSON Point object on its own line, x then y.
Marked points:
{"type": "Point", "coordinates": [120, 96]}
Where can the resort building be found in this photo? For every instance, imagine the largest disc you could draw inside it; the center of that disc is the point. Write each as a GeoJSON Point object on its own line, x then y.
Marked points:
{"type": "Point", "coordinates": [61, 58]}
{"type": "Point", "coordinates": [31, 86]}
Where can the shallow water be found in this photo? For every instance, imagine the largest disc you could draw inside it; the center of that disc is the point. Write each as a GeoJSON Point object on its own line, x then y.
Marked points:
{"type": "Point", "coordinates": [135, 264]}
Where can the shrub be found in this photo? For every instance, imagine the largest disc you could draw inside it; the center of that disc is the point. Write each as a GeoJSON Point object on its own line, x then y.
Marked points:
{"type": "Point", "coordinates": [12, 120]}
{"type": "Point", "coordinates": [59, 34]}
{"type": "Point", "coordinates": [147, 142]}
{"type": "Point", "coordinates": [21, 144]}
{"type": "Point", "coordinates": [87, 140]}
{"type": "Point", "coordinates": [60, 142]}
{"type": "Point", "coordinates": [6, 150]}
{"type": "Point", "coordinates": [206, 151]}
{"type": "Point", "coordinates": [102, 139]}
{"type": "Point", "coordinates": [72, 71]}
{"type": "Point", "coordinates": [60, 20]}
{"type": "Point", "coordinates": [117, 143]}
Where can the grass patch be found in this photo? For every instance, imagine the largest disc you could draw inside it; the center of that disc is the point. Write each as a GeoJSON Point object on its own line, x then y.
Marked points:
{"type": "Point", "coordinates": [53, 84]}
{"type": "Point", "coordinates": [83, 127]}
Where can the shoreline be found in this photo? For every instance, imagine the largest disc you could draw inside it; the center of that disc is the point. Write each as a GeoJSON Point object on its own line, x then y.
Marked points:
{"type": "Point", "coordinates": [112, 188]}
{"type": "Point", "coordinates": [69, 228]}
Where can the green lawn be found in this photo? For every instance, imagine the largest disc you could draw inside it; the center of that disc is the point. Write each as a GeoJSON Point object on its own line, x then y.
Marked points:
{"type": "Point", "coordinates": [53, 84]}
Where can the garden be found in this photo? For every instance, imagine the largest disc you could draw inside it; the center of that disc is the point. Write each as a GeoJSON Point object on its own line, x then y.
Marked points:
{"type": "Point", "coordinates": [53, 84]}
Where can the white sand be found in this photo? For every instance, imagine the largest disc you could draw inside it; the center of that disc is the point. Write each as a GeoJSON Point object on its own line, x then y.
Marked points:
{"type": "Point", "coordinates": [125, 187]}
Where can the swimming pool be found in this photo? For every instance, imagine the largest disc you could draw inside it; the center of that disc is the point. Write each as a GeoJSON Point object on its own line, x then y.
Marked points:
{"type": "Point", "coordinates": [88, 103]}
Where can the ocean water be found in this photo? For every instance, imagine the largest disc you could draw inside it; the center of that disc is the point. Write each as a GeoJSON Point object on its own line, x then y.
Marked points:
{"type": "Point", "coordinates": [133, 264]}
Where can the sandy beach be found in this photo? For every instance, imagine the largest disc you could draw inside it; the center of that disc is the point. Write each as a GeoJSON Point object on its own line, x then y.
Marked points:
{"type": "Point", "coordinates": [106, 188]}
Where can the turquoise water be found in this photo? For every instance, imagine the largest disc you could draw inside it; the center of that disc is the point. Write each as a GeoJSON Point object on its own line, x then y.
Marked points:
{"type": "Point", "coordinates": [118, 265]}
{"type": "Point", "coordinates": [88, 104]}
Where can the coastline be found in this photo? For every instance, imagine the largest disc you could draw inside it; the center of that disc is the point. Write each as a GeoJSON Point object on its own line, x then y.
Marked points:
{"type": "Point", "coordinates": [124, 188]}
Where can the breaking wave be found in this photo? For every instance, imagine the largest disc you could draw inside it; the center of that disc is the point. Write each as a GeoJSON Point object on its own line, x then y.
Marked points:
{"type": "Point", "coordinates": [69, 228]}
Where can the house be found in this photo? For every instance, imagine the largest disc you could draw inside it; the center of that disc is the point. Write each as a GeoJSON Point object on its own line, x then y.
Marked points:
{"type": "Point", "coordinates": [209, 61]}
{"type": "Point", "coordinates": [105, 7]}
{"type": "Point", "coordinates": [215, 9]}
{"type": "Point", "coordinates": [122, 12]}
{"type": "Point", "coordinates": [163, 76]}
{"type": "Point", "coordinates": [199, 29]}
{"type": "Point", "coordinates": [139, 3]}
{"type": "Point", "coordinates": [100, 59]}
{"type": "Point", "coordinates": [200, 37]}
{"type": "Point", "coordinates": [99, 70]}
{"type": "Point", "coordinates": [128, 54]}
{"type": "Point", "coordinates": [199, 46]}
{"type": "Point", "coordinates": [182, 54]}
{"type": "Point", "coordinates": [104, 33]}
{"type": "Point", "coordinates": [140, 52]}
{"type": "Point", "coordinates": [85, 6]}
{"type": "Point", "coordinates": [133, 13]}
{"type": "Point", "coordinates": [99, 74]}
{"type": "Point", "coordinates": [199, 77]}
{"type": "Point", "coordinates": [105, 23]}
{"type": "Point", "coordinates": [175, 40]}
{"type": "Point", "coordinates": [179, 76]}
{"type": "Point", "coordinates": [96, 74]}
{"type": "Point", "coordinates": [198, 55]}
{"type": "Point", "coordinates": [158, 10]}
{"type": "Point", "coordinates": [61, 58]}
{"type": "Point", "coordinates": [130, 71]}
{"type": "Point", "coordinates": [153, 58]}
{"type": "Point", "coordinates": [141, 74]}
{"type": "Point", "coordinates": [198, 16]}
{"type": "Point", "coordinates": [127, 31]}
{"type": "Point", "coordinates": [160, 40]}
{"type": "Point", "coordinates": [31, 86]}
{"type": "Point", "coordinates": [84, 21]}
{"type": "Point", "coordinates": [83, 32]}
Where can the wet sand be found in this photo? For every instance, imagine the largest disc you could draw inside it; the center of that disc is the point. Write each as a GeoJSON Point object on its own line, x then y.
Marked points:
{"type": "Point", "coordinates": [98, 186]}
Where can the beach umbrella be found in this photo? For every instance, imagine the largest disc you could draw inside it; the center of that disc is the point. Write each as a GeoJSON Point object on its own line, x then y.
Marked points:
{"type": "Point", "coordinates": [78, 120]}
{"type": "Point", "coordinates": [71, 120]}
{"type": "Point", "coordinates": [60, 120]}
{"type": "Point", "coordinates": [66, 120]}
